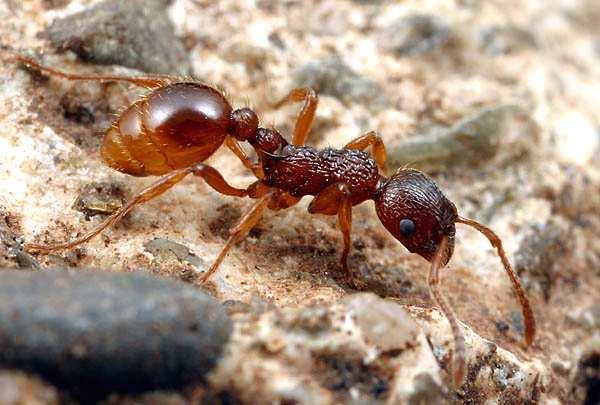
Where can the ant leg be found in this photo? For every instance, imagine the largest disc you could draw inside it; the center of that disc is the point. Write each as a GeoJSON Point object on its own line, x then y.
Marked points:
{"type": "Point", "coordinates": [235, 147]}
{"type": "Point", "coordinates": [459, 340]}
{"type": "Point", "coordinates": [335, 199]}
{"type": "Point", "coordinates": [147, 194]}
{"type": "Point", "coordinates": [212, 177]}
{"type": "Point", "coordinates": [246, 223]}
{"type": "Point", "coordinates": [258, 189]}
{"type": "Point", "coordinates": [528, 316]}
{"type": "Point", "coordinates": [307, 113]}
{"type": "Point", "coordinates": [282, 201]}
{"type": "Point", "coordinates": [148, 81]}
{"type": "Point", "coordinates": [371, 139]}
{"type": "Point", "coordinates": [215, 180]}
{"type": "Point", "coordinates": [345, 220]}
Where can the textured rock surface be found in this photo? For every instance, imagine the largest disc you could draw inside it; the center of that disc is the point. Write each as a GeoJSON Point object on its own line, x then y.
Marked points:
{"type": "Point", "coordinates": [539, 56]}
{"type": "Point", "coordinates": [469, 143]}
{"type": "Point", "coordinates": [342, 353]}
{"type": "Point", "coordinates": [415, 34]}
{"type": "Point", "coordinates": [134, 33]}
{"type": "Point", "coordinates": [333, 77]}
{"type": "Point", "coordinates": [94, 333]}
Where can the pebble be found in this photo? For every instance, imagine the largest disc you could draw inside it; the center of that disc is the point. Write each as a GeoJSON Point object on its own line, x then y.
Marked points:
{"type": "Point", "coordinates": [506, 40]}
{"type": "Point", "coordinates": [471, 142]}
{"type": "Point", "coordinates": [11, 254]}
{"type": "Point", "coordinates": [99, 199]}
{"type": "Point", "coordinates": [414, 34]}
{"type": "Point", "coordinates": [383, 323]}
{"type": "Point", "coordinates": [560, 366]}
{"type": "Point", "coordinates": [95, 332]}
{"type": "Point", "coordinates": [135, 33]}
{"type": "Point", "coordinates": [333, 77]}
{"type": "Point", "coordinates": [164, 248]}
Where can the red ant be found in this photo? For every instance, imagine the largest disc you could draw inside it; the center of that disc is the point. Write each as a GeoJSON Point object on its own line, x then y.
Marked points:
{"type": "Point", "coordinates": [180, 124]}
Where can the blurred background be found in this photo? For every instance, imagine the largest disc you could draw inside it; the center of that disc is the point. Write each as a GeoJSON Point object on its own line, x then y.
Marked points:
{"type": "Point", "coordinates": [496, 100]}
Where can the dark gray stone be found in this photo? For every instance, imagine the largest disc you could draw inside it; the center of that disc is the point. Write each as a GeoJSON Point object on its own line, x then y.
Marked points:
{"type": "Point", "coordinates": [415, 34]}
{"type": "Point", "coordinates": [134, 33]}
{"type": "Point", "coordinates": [97, 332]}
{"type": "Point", "coordinates": [333, 77]}
{"type": "Point", "coordinates": [586, 384]}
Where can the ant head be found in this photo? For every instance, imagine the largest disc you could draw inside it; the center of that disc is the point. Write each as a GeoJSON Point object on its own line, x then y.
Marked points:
{"type": "Point", "coordinates": [415, 211]}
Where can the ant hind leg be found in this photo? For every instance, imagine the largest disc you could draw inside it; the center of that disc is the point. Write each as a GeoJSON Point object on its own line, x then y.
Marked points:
{"type": "Point", "coordinates": [212, 177]}
{"type": "Point", "coordinates": [147, 81]}
{"type": "Point", "coordinates": [335, 199]}
{"type": "Point", "coordinates": [247, 222]}
{"type": "Point", "coordinates": [145, 195]}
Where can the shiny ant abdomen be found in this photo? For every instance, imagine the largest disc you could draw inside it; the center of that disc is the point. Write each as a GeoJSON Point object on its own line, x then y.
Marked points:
{"type": "Point", "coordinates": [156, 134]}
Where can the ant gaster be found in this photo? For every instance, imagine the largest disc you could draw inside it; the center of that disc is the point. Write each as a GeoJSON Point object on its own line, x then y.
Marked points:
{"type": "Point", "coordinates": [180, 124]}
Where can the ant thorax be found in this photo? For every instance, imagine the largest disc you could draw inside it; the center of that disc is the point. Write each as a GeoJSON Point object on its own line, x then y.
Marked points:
{"type": "Point", "coordinates": [304, 170]}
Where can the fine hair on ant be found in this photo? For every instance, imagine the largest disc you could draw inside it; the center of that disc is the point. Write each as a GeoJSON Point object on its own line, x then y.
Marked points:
{"type": "Point", "coordinates": [179, 124]}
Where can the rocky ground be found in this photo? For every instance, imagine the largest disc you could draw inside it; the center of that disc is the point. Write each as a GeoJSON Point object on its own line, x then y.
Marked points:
{"type": "Point", "coordinates": [496, 100]}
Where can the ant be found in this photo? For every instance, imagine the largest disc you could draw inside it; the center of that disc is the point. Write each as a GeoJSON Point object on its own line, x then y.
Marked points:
{"type": "Point", "coordinates": [180, 124]}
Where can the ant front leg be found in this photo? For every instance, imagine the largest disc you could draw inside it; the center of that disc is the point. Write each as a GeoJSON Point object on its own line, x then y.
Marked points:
{"type": "Point", "coordinates": [147, 81]}
{"type": "Point", "coordinates": [306, 114]}
{"type": "Point", "coordinates": [335, 199]}
{"type": "Point", "coordinates": [459, 340]}
{"type": "Point", "coordinates": [371, 139]}
{"type": "Point", "coordinates": [267, 198]}
{"type": "Point", "coordinates": [247, 222]}
{"type": "Point", "coordinates": [212, 177]}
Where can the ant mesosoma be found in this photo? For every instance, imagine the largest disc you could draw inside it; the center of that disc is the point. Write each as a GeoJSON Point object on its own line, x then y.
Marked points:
{"type": "Point", "coordinates": [179, 124]}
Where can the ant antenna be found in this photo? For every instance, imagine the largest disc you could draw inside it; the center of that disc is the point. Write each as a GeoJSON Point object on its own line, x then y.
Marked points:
{"type": "Point", "coordinates": [434, 284]}
{"type": "Point", "coordinates": [528, 318]}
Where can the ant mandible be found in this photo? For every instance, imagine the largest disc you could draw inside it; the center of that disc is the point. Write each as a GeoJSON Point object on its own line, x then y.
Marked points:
{"type": "Point", "coordinates": [180, 124]}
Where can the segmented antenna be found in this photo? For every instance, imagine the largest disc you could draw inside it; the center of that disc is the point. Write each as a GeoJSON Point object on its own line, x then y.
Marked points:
{"type": "Point", "coordinates": [528, 317]}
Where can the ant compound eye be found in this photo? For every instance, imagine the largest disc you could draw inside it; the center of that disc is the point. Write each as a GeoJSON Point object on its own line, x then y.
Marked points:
{"type": "Point", "coordinates": [407, 227]}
